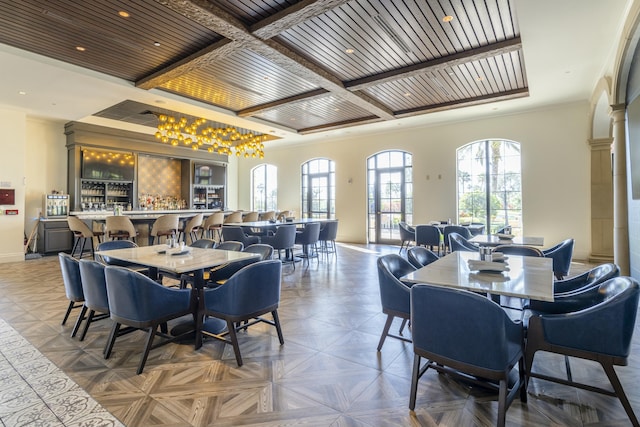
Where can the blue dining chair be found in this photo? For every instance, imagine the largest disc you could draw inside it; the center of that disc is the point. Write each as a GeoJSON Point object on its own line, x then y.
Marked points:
{"type": "Point", "coordinates": [70, 270]}
{"type": "Point", "coordinates": [420, 256]}
{"type": "Point", "coordinates": [94, 287]}
{"type": "Point", "coordinates": [459, 331]}
{"type": "Point", "coordinates": [461, 243]}
{"type": "Point", "coordinates": [561, 255]}
{"type": "Point", "coordinates": [428, 235]}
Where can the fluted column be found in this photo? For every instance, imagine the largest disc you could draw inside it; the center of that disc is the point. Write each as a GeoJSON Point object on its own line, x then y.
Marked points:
{"type": "Point", "coordinates": [620, 208]}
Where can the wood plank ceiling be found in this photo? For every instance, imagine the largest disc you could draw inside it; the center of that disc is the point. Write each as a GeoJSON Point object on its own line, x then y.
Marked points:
{"type": "Point", "coordinates": [306, 65]}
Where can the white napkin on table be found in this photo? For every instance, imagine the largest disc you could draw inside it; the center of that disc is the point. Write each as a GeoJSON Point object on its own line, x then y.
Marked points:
{"type": "Point", "coordinates": [505, 236]}
{"type": "Point", "coordinates": [477, 265]}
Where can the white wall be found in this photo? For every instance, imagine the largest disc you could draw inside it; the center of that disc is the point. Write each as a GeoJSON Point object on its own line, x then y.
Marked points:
{"type": "Point", "coordinates": [555, 168]}
{"type": "Point", "coordinates": [12, 174]}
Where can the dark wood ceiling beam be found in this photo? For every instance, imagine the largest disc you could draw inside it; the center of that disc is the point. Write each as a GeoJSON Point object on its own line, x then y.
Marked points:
{"type": "Point", "coordinates": [292, 16]}
{"type": "Point", "coordinates": [218, 20]}
{"type": "Point", "coordinates": [204, 57]}
{"type": "Point", "coordinates": [259, 109]}
{"type": "Point", "coordinates": [340, 125]}
{"type": "Point", "coordinates": [467, 102]}
{"type": "Point", "coordinates": [421, 68]}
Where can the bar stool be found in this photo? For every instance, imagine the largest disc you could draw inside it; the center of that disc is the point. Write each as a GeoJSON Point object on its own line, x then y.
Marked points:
{"type": "Point", "coordinates": [213, 225]}
{"type": "Point", "coordinates": [82, 232]}
{"type": "Point", "coordinates": [119, 227]}
{"type": "Point", "coordinates": [165, 225]}
{"type": "Point", "coordinates": [193, 225]}
{"type": "Point", "coordinates": [233, 217]}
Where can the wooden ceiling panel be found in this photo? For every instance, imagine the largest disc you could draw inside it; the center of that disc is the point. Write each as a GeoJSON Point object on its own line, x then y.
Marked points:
{"type": "Point", "coordinates": [239, 81]}
{"type": "Point", "coordinates": [253, 11]}
{"type": "Point", "coordinates": [318, 112]}
{"type": "Point", "coordinates": [118, 46]}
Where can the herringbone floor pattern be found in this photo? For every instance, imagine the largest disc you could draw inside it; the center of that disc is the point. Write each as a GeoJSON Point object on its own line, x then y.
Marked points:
{"type": "Point", "coordinates": [328, 372]}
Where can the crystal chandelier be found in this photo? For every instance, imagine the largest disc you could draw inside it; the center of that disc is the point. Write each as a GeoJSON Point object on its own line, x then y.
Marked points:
{"type": "Point", "coordinates": [221, 140]}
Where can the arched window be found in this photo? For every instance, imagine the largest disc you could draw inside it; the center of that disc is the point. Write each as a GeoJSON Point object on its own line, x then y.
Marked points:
{"type": "Point", "coordinates": [490, 184]}
{"type": "Point", "coordinates": [319, 189]}
{"type": "Point", "coordinates": [264, 188]}
{"type": "Point", "coordinates": [390, 195]}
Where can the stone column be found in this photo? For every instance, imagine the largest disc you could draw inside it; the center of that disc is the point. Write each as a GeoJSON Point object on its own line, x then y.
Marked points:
{"type": "Point", "coordinates": [620, 208]}
{"type": "Point", "coordinates": [601, 201]}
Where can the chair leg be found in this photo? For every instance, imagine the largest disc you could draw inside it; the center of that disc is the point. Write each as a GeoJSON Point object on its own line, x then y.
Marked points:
{"type": "Point", "coordinates": [404, 323]}
{"type": "Point", "coordinates": [385, 331]}
{"type": "Point", "coordinates": [276, 321]}
{"type": "Point", "coordinates": [502, 403]}
{"type": "Point", "coordinates": [147, 348]}
{"type": "Point", "coordinates": [75, 245]}
{"type": "Point", "coordinates": [112, 339]}
{"type": "Point", "coordinates": [87, 323]}
{"type": "Point", "coordinates": [72, 305]}
{"type": "Point", "coordinates": [619, 391]}
{"type": "Point", "coordinates": [234, 342]}
{"type": "Point", "coordinates": [415, 375]}
{"type": "Point", "coordinates": [79, 320]}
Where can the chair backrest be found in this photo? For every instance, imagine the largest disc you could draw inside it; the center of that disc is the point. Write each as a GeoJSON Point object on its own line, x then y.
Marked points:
{"type": "Point", "coordinates": [230, 246]}
{"type": "Point", "coordinates": [250, 217]}
{"type": "Point", "coordinates": [233, 217]}
{"type": "Point", "coordinates": [203, 243]}
{"type": "Point", "coordinates": [252, 289]}
{"type": "Point", "coordinates": [139, 299]}
{"type": "Point", "coordinates": [265, 251]}
{"type": "Point", "coordinates": [234, 233]}
{"type": "Point", "coordinates": [588, 279]}
{"type": "Point", "coordinates": [461, 230]}
{"type": "Point", "coordinates": [165, 224]}
{"type": "Point", "coordinates": [193, 223]}
{"type": "Point", "coordinates": [503, 229]}
{"type": "Point", "coordinates": [465, 328]}
{"type": "Point", "coordinates": [71, 277]}
{"type": "Point", "coordinates": [420, 256]}
{"type": "Point", "coordinates": [111, 245]}
{"type": "Point", "coordinates": [519, 250]}
{"type": "Point", "coordinates": [561, 255]}
{"type": "Point", "coordinates": [428, 235]}
{"type": "Point", "coordinates": [394, 295]}
{"type": "Point", "coordinates": [459, 243]}
{"type": "Point", "coordinates": [267, 216]}
{"type": "Point", "coordinates": [329, 231]}
{"type": "Point", "coordinates": [214, 220]}
{"type": "Point", "coordinates": [94, 285]}
{"type": "Point", "coordinates": [284, 238]}
{"type": "Point", "coordinates": [309, 235]}
{"type": "Point", "coordinates": [283, 215]}
{"type": "Point", "coordinates": [115, 223]}
{"type": "Point", "coordinates": [407, 233]}
{"type": "Point", "coordinates": [77, 226]}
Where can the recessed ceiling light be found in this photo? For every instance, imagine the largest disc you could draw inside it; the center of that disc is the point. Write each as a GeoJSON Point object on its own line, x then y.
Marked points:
{"type": "Point", "coordinates": [22, 92]}
{"type": "Point", "coordinates": [159, 101]}
{"type": "Point", "coordinates": [80, 48]}
{"type": "Point", "coordinates": [407, 94]}
{"type": "Point", "coordinates": [349, 50]}
{"type": "Point", "coordinates": [479, 78]}
{"type": "Point", "coordinates": [156, 44]}
{"type": "Point", "coordinates": [265, 78]}
{"type": "Point", "coordinates": [336, 109]}
{"type": "Point", "coordinates": [124, 13]}
{"type": "Point", "coordinates": [447, 18]}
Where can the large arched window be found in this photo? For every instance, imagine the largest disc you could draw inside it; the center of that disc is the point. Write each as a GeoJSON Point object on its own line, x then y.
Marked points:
{"type": "Point", "coordinates": [390, 195]}
{"type": "Point", "coordinates": [319, 189]}
{"type": "Point", "coordinates": [264, 188]}
{"type": "Point", "coordinates": [490, 184]}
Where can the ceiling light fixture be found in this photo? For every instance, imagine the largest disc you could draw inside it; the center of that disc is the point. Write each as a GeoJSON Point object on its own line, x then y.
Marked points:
{"type": "Point", "coordinates": [22, 92]}
{"type": "Point", "coordinates": [349, 50]}
{"type": "Point", "coordinates": [197, 135]}
{"type": "Point", "coordinates": [124, 13]}
{"type": "Point", "coordinates": [447, 18]}
{"type": "Point", "coordinates": [156, 44]}
{"type": "Point", "coordinates": [80, 48]}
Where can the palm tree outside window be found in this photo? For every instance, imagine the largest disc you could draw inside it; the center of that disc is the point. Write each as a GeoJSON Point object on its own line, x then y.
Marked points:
{"type": "Point", "coordinates": [264, 188]}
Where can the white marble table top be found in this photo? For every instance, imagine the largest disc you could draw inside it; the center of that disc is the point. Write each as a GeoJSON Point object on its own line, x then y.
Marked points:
{"type": "Point", "coordinates": [528, 277]}
{"type": "Point", "coordinates": [493, 240]}
{"type": "Point", "coordinates": [195, 259]}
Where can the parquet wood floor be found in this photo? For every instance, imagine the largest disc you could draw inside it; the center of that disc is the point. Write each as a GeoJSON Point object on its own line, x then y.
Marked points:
{"type": "Point", "coordinates": [328, 372]}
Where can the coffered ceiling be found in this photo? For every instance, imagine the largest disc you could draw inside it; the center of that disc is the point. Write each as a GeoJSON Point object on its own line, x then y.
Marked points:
{"type": "Point", "coordinates": [303, 65]}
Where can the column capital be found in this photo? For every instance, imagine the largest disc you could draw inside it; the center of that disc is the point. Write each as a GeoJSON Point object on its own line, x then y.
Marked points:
{"type": "Point", "coordinates": [617, 110]}
{"type": "Point", "coordinates": [600, 144]}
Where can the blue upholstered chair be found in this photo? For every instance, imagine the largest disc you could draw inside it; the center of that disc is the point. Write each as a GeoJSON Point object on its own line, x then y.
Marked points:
{"type": "Point", "coordinates": [561, 254]}
{"type": "Point", "coordinates": [237, 234]}
{"type": "Point", "coordinates": [428, 235]}
{"type": "Point", "coordinates": [458, 242]}
{"type": "Point", "coordinates": [588, 279]}
{"type": "Point", "coordinates": [458, 331]}
{"type": "Point", "coordinates": [221, 274]}
{"type": "Point", "coordinates": [407, 235]}
{"type": "Point", "coordinates": [394, 295]}
{"type": "Point", "coordinates": [203, 243]}
{"type": "Point", "coordinates": [518, 250]}
{"type": "Point", "coordinates": [459, 229]}
{"type": "Point", "coordinates": [602, 332]}
{"type": "Point", "coordinates": [230, 245]}
{"type": "Point", "coordinates": [72, 288]}
{"type": "Point", "coordinates": [308, 239]}
{"type": "Point", "coordinates": [139, 302]}
{"type": "Point", "coordinates": [118, 244]}
{"type": "Point", "coordinates": [283, 239]}
{"type": "Point", "coordinates": [327, 238]}
{"type": "Point", "coordinates": [247, 295]}
{"type": "Point", "coordinates": [419, 256]}
{"type": "Point", "coordinates": [94, 286]}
